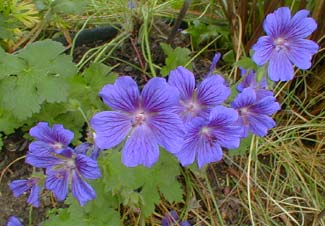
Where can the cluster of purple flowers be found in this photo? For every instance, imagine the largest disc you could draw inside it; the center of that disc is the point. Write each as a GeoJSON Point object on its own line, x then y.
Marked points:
{"type": "Point", "coordinates": [188, 120]}
{"type": "Point", "coordinates": [255, 105]}
{"type": "Point", "coordinates": [63, 165]}
{"type": "Point", "coordinates": [191, 120]}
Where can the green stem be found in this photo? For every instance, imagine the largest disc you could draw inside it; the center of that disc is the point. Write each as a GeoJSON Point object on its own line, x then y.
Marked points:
{"type": "Point", "coordinates": [189, 188]}
{"type": "Point", "coordinates": [30, 217]}
{"type": "Point", "coordinates": [213, 200]}
{"type": "Point", "coordinates": [84, 116]}
{"type": "Point", "coordinates": [145, 46]}
{"type": "Point", "coordinates": [251, 150]}
{"type": "Point", "coordinates": [76, 36]}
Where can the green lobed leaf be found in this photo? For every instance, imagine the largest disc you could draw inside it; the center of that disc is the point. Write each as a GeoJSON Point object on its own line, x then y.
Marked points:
{"type": "Point", "coordinates": [201, 32]}
{"type": "Point", "coordinates": [100, 211]}
{"type": "Point", "coordinates": [52, 89]}
{"type": "Point", "coordinates": [40, 71]}
{"type": "Point", "coordinates": [62, 66]}
{"type": "Point", "coordinates": [85, 88]}
{"type": "Point", "coordinates": [229, 57]}
{"type": "Point", "coordinates": [10, 64]}
{"type": "Point", "coordinates": [148, 182]}
{"type": "Point", "coordinates": [8, 123]}
{"type": "Point", "coordinates": [98, 75]}
{"type": "Point", "coordinates": [19, 96]}
{"type": "Point", "coordinates": [42, 53]}
{"type": "Point", "coordinates": [23, 95]}
{"type": "Point", "coordinates": [175, 57]}
{"type": "Point", "coordinates": [246, 63]}
{"type": "Point", "coordinates": [74, 121]}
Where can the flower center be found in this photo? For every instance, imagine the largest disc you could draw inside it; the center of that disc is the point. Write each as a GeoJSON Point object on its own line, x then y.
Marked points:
{"type": "Point", "coordinates": [70, 164]}
{"type": "Point", "coordinates": [206, 133]}
{"type": "Point", "coordinates": [280, 44]}
{"type": "Point", "coordinates": [191, 108]}
{"type": "Point", "coordinates": [205, 130]}
{"type": "Point", "coordinates": [57, 146]}
{"type": "Point", "coordinates": [139, 119]}
{"type": "Point", "coordinates": [243, 112]}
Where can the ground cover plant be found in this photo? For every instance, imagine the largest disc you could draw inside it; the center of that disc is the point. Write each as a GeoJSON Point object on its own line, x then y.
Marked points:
{"type": "Point", "coordinates": [162, 112]}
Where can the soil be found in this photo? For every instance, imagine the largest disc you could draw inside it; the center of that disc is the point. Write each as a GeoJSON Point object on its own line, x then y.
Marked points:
{"type": "Point", "coordinates": [15, 147]}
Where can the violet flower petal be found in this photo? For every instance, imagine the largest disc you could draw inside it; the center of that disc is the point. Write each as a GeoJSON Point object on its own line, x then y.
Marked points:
{"type": "Point", "coordinates": [223, 122]}
{"type": "Point", "coordinates": [300, 26]}
{"type": "Point", "coordinates": [276, 23]}
{"type": "Point", "coordinates": [212, 91]}
{"type": "Point", "coordinates": [82, 148]}
{"type": "Point", "coordinates": [260, 124]}
{"type": "Point", "coordinates": [280, 67]}
{"type": "Point", "coordinates": [57, 181]}
{"type": "Point", "coordinates": [263, 50]}
{"type": "Point", "coordinates": [81, 190]}
{"type": "Point", "coordinates": [301, 52]}
{"type": "Point", "coordinates": [169, 219]}
{"type": "Point", "coordinates": [87, 167]}
{"type": "Point", "coordinates": [141, 148]}
{"type": "Point", "coordinates": [111, 128]}
{"type": "Point", "coordinates": [168, 129]}
{"type": "Point", "coordinates": [40, 156]}
{"type": "Point", "coordinates": [183, 80]}
{"type": "Point", "coordinates": [122, 96]}
{"type": "Point", "coordinates": [14, 221]}
{"type": "Point", "coordinates": [158, 96]}
{"type": "Point", "coordinates": [18, 187]}
{"type": "Point", "coordinates": [56, 134]}
{"type": "Point", "coordinates": [192, 142]}
{"type": "Point", "coordinates": [34, 197]}
{"type": "Point", "coordinates": [214, 62]}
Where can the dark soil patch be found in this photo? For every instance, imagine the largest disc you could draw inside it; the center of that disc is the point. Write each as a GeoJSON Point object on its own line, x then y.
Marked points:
{"type": "Point", "coordinates": [15, 147]}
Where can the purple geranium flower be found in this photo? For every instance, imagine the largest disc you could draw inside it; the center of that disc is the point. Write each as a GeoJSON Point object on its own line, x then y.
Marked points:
{"type": "Point", "coordinates": [255, 114]}
{"type": "Point", "coordinates": [197, 102]}
{"type": "Point", "coordinates": [146, 119]}
{"type": "Point", "coordinates": [285, 43]}
{"type": "Point", "coordinates": [171, 219]}
{"type": "Point", "coordinates": [14, 221]}
{"type": "Point", "coordinates": [18, 187]}
{"type": "Point", "coordinates": [205, 137]}
{"type": "Point", "coordinates": [250, 81]}
{"type": "Point", "coordinates": [63, 165]}
{"type": "Point", "coordinates": [49, 141]}
{"type": "Point", "coordinates": [71, 168]}
{"type": "Point", "coordinates": [52, 139]}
